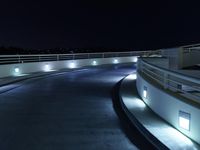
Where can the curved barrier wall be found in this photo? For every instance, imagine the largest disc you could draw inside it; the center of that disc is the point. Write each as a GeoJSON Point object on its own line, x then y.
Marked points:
{"type": "Point", "coordinates": [26, 68]}
{"type": "Point", "coordinates": [15, 65]}
{"type": "Point", "coordinates": [179, 113]}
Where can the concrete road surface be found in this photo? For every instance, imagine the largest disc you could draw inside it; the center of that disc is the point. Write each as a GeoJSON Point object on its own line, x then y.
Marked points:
{"type": "Point", "coordinates": [66, 111]}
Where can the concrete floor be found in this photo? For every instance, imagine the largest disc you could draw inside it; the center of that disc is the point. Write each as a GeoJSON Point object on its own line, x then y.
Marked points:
{"type": "Point", "coordinates": [71, 110]}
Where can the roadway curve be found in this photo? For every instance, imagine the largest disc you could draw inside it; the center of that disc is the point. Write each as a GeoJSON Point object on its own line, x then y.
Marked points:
{"type": "Point", "coordinates": [70, 110]}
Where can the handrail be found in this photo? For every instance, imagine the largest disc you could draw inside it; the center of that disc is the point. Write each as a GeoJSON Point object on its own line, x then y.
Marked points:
{"type": "Point", "coordinates": [184, 85]}
{"type": "Point", "coordinates": [171, 72]}
{"type": "Point", "coordinates": [150, 51]}
{"type": "Point", "coordinates": [10, 59]}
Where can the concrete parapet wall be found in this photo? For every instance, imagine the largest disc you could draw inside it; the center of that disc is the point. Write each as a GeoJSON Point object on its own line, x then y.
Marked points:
{"type": "Point", "coordinates": [169, 107]}
{"type": "Point", "coordinates": [26, 68]}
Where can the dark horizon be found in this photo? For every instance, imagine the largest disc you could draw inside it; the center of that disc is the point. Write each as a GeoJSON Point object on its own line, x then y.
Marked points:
{"type": "Point", "coordinates": [106, 48]}
{"type": "Point", "coordinates": [135, 25]}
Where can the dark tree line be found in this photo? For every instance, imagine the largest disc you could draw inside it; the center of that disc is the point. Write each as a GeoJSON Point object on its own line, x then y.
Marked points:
{"type": "Point", "coordinates": [21, 51]}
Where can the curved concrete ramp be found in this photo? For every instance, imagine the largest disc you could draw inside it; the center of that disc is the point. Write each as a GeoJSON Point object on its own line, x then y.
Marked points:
{"type": "Point", "coordinates": [71, 110]}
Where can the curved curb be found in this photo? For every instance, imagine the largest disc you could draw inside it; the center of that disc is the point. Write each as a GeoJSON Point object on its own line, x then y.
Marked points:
{"type": "Point", "coordinates": [149, 140]}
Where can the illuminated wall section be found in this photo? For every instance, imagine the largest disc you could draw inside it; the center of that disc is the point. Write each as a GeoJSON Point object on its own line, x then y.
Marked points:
{"type": "Point", "coordinates": [181, 114]}
{"type": "Point", "coordinates": [27, 68]}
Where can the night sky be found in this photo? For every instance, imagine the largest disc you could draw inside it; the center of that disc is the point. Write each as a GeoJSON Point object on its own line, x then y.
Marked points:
{"type": "Point", "coordinates": [132, 24]}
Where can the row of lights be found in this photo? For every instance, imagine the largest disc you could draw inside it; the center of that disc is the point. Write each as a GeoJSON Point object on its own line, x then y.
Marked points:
{"type": "Point", "coordinates": [72, 65]}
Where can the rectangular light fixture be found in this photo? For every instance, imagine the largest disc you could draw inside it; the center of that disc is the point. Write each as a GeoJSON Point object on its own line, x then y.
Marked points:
{"type": "Point", "coordinates": [135, 59]}
{"type": "Point", "coordinates": [94, 62]}
{"type": "Point", "coordinates": [184, 120]}
{"type": "Point", "coordinates": [115, 61]}
{"type": "Point", "coordinates": [145, 92]}
{"type": "Point", "coordinates": [72, 65]}
{"type": "Point", "coordinates": [47, 67]}
{"type": "Point", "coordinates": [16, 70]}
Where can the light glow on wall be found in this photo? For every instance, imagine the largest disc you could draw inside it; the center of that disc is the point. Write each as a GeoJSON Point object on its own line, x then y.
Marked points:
{"type": "Point", "coordinates": [94, 63]}
{"type": "Point", "coordinates": [72, 65]}
{"type": "Point", "coordinates": [18, 73]}
{"type": "Point", "coordinates": [135, 59]}
{"type": "Point", "coordinates": [184, 120]}
{"type": "Point", "coordinates": [16, 70]}
{"type": "Point", "coordinates": [184, 123]}
{"type": "Point", "coordinates": [47, 67]}
{"type": "Point", "coordinates": [115, 61]}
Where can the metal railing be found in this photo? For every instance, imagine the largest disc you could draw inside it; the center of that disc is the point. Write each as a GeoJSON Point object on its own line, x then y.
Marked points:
{"type": "Point", "coordinates": [176, 82]}
{"type": "Point", "coordinates": [13, 59]}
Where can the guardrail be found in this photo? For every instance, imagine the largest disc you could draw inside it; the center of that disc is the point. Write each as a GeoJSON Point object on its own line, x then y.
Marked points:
{"type": "Point", "coordinates": [13, 59]}
{"type": "Point", "coordinates": [181, 84]}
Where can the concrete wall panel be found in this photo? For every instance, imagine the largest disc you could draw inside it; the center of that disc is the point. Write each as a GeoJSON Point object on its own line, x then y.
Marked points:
{"type": "Point", "coordinates": [26, 68]}
{"type": "Point", "coordinates": [168, 107]}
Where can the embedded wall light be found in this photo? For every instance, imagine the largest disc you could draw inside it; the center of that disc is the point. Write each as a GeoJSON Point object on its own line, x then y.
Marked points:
{"type": "Point", "coordinates": [72, 65]}
{"type": "Point", "coordinates": [145, 92]}
{"type": "Point", "coordinates": [16, 70]}
{"type": "Point", "coordinates": [47, 67]}
{"type": "Point", "coordinates": [115, 61]}
{"type": "Point", "coordinates": [135, 59]}
{"type": "Point", "coordinates": [94, 63]}
{"type": "Point", "coordinates": [184, 120]}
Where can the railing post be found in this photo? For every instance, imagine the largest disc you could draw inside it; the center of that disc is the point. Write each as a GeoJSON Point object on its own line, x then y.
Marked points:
{"type": "Point", "coordinates": [57, 58]}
